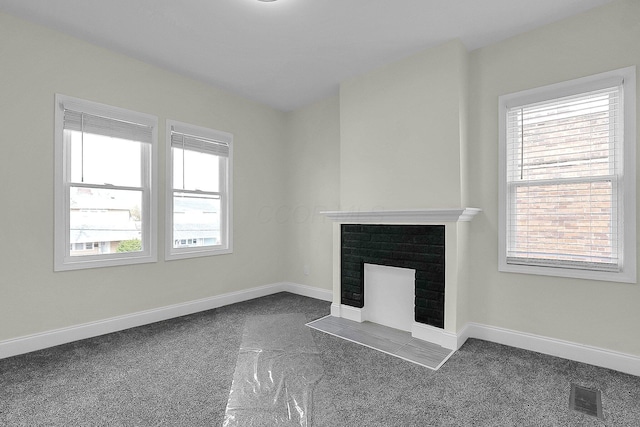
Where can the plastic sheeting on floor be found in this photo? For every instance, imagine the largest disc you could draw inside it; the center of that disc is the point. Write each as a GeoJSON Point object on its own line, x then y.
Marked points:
{"type": "Point", "coordinates": [277, 369]}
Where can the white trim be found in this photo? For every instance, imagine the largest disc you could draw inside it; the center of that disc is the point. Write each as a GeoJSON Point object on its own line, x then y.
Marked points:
{"type": "Point", "coordinates": [404, 216]}
{"type": "Point", "coordinates": [434, 335]}
{"type": "Point", "coordinates": [82, 105]}
{"type": "Point", "coordinates": [622, 362]}
{"type": "Point", "coordinates": [29, 343]}
{"type": "Point", "coordinates": [335, 310]}
{"type": "Point", "coordinates": [351, 313]}
{"type": "Point", "coordinates": [462, 336]}
{"type": "Point", "coordinates": [420, 331]}
{"type": "Point", "coordinates": [308, 291]}
{"type": "Point", "coordinates": [609, 359]}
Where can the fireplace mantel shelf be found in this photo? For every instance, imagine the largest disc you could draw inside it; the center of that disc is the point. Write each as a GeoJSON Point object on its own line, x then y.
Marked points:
{"type": "Point", "coordinates": [403, 216]}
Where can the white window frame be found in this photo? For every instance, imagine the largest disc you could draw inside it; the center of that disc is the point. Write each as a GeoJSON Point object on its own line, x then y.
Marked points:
{"type": "Point", "coordinates": [626, 185]}
{"type": "Point", "coordinates": [226, 190]}
{"type": "Point", "coordinates": [62, 179]}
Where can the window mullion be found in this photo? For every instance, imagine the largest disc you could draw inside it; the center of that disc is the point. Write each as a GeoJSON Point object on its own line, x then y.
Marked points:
{"type": "Point", "coordinates": [106, 186]}
{"type": "Point", "coordinates": [198, 192]}
{"type": "Point", "coordinates": [224, 207]}
{"type": "Point", "coordinates": [66, 167]}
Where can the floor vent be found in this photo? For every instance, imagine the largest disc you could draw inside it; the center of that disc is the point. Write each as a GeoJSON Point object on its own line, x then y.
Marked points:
{"type": "Point", "coordinates": [586, 400]}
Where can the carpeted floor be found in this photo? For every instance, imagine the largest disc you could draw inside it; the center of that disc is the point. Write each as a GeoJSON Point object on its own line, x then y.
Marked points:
{"type": "Point", "coordinates": [179, 373]}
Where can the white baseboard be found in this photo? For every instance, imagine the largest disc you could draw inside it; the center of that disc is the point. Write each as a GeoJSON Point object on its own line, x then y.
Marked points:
{"type": "Point", "coordinates": [335, 310]}
{"type": "Point", "coordinates": [434, 335]}
{"type": "Point", "coordinates": [418, 330]}
{"type": "Point", "coordinates": [622, 362]}
{"type": "Point", "coordinates": [351, 313]}
{"type": "Point", "coordinates": [462, 336]}
{"type": "Point", "coordinates": [29, 343]}
{"type": "Point", "coordinates": [308, 291]}
{"type": "Point", "coordinates": [568, 350]}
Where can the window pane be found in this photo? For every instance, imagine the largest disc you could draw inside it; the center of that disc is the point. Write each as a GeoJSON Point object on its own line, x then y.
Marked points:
{"type": "Point", "coordinates": [572, 222]}
{"type": "Point", "coordinates": [97, 159]}
{"type": "Point", "coordinates": [564, 139]}
{"type": "Point", "coordinates": [196, 220]}
{"type": "Point", "coordinates": [195, 171]}
{"type": "Point", "coordinates": [112, 217]}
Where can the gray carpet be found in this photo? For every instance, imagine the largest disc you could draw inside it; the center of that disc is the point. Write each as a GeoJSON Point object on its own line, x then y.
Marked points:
{"type": "Point", "coordinates": [179, 373]}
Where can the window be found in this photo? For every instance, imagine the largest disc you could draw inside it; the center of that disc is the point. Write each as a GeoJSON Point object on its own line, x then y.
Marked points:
{"type": "Point", "coordinates": [199, 162]}
{"type": "Point", "coordinates": [104, 185]}
{"type": "Point", "coordinates": [567, 179]}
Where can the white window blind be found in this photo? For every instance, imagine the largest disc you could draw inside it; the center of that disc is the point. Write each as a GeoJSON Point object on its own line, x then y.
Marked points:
{"type": "Point", "coordinates": [564, 167]}
{"type": "Point", "coordinates": [201, 145]}
{"type": "Point", "coordinates": [105, 126]}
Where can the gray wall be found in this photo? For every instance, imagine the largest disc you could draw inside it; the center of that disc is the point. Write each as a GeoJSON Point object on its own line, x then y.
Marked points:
{"type": "Point", "coordinates": [36, 63]}
{"type": "Point", "coordinates": [601, 314]}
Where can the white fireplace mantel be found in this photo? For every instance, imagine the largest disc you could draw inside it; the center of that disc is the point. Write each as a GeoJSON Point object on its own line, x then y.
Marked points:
{"type": "Point", "coordinates": [454, 237]}
{"type": "Point", "coordinates": [403, 216]}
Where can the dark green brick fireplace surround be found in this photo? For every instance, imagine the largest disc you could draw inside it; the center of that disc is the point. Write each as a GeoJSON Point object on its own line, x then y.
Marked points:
{"type": "Point", "coordinates": [417, 247]}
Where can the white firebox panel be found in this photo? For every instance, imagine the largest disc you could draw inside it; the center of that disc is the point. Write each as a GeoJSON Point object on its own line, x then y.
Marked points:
{"type": "Point", "coordinates": [389, 296]}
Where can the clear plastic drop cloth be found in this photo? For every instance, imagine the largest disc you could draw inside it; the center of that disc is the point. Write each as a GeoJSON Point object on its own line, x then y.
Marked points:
{"type": "Point", "coordinates": [278, 366]}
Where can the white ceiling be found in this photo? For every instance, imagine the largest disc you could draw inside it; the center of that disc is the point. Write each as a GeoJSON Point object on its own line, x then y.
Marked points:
{"type": "Point", "coordinates": [287, 53]}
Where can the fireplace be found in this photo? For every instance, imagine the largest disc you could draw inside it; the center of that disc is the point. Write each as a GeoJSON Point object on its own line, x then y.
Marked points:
{"type": "Point", "coordinates": [432, 242]}
{"type": "Point", "coordinates": [416, 247]}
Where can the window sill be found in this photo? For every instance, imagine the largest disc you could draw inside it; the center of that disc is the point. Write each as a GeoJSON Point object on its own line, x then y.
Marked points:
{"type": "Point", "coordinates": [170, 256]}
{"type": "Point", "coordinates": [625, 276]}
{"type": "Point", "coordinates": [82, 264]}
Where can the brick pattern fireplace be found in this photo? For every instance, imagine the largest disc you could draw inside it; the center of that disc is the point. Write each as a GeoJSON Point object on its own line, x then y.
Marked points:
{"type": "Point", "coordinates": [417, 247]}
{"type": "Point", "coordinates": [409, 239]}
